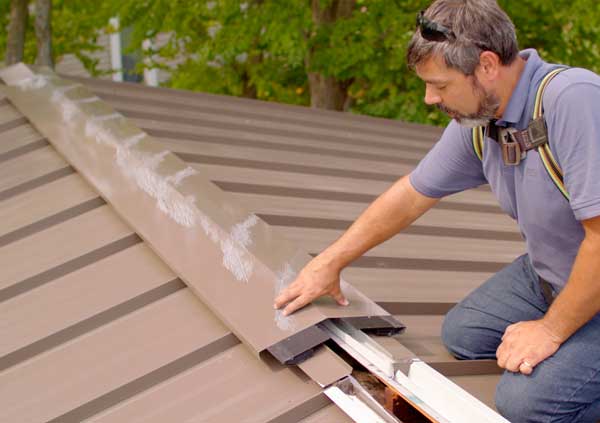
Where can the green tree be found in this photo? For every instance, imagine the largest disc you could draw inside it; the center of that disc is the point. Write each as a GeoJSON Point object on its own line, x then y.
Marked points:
{"type": "Point", "coordinates": [342, 54]}
{"type": "Point", "coordinates": [76, 25]}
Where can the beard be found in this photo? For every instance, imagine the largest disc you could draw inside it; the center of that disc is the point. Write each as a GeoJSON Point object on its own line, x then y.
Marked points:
{"type": "Point", "coordinates": [489, 103]}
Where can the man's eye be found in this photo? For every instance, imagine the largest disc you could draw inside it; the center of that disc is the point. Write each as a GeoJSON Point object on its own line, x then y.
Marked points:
{"type": "Point", "coordinates": [441, 87]}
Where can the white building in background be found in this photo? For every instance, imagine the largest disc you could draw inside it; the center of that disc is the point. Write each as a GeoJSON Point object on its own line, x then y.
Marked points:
{"type": "Point", "coordinates": [114, 63]}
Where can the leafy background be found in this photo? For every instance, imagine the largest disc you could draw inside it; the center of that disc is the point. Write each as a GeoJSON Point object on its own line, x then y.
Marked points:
{"type": "Point", "coordinates": [265, 49]}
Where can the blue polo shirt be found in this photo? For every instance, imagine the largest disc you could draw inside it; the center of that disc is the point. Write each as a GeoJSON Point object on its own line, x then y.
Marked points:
{"type": "Point", "coordinates": [549, 223]}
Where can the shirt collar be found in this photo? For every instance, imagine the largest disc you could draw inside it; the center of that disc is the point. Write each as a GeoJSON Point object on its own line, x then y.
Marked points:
{"type": "Point", "coordinates": [518, 100]}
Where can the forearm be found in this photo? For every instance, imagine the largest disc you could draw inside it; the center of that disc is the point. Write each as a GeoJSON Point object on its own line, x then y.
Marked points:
{"type": "Point", "coordinates": [579, 301]}
{"type": "Point", "coordinates": [393, 211]}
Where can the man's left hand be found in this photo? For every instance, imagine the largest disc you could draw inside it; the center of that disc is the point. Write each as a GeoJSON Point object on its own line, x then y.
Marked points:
{"type": "Point", "coordinates": [525, 345]}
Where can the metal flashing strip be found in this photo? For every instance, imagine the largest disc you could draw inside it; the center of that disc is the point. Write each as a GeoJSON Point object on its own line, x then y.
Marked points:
{"type": "Point", "coordinates": [147, 381]}
{"type": "Point", "coordinates": [298, 347]}
{"type": "Point", "coordinates": [90, 324]}
{"type": "Point", "coordinates": [375, 325]}
{"type": "Point", "coordinates": [419, 384]}
{"type": "Point", "coordinates": [325, 367]}
{"type": "Point", "coordinates": [234, 262]}
{"type": "Point", "coordinates": [355, 401]}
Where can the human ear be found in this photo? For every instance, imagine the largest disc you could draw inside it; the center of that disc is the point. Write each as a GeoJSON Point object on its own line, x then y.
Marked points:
{"type": "Point", "coordinates": [489, 65]}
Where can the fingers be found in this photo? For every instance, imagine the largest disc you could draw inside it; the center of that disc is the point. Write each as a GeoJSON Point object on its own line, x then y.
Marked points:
{"type": "Point", "coordinates": [526, 367]}
{"type": "Point", "coordinates": [340, 299]}
{"type": "Point", "coordinates": [297, 304]}
{"type": "Point", "coordinates": [287, 295]}
{"type": "Point", "coordinates": [509, 329]}
{"type": "Point", "coordinates": [514, 362]}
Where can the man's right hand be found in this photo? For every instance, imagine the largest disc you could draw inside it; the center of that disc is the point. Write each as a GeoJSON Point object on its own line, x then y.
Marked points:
{"type": "Point", "coordinates": [318, 278]}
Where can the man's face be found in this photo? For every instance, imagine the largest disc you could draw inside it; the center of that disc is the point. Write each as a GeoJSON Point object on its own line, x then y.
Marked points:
{"type": "Point", "coordinates": [461, 97]}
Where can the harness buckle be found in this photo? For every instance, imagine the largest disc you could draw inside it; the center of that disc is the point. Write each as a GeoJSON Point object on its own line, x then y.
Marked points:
{"type": "Point", "coordinates": [533, 136]}
{"type": "Point", "coordinates": [511, 153]}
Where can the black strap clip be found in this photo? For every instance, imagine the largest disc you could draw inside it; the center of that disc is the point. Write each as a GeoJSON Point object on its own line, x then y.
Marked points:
{"type": "Point", "coordinates": [511, 149]}
{"type": "Point", "coordinates": [515, 144]}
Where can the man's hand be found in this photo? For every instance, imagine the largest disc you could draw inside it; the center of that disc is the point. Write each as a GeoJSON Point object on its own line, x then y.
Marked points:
{"type": "Point", "coordinates": [317, 279]}
{"type": "Point", "coordinates": [525, 345]}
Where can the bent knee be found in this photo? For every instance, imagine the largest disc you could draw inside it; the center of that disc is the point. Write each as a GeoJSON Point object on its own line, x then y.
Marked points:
{"type": "Point", "coordinates": [465, 338]}
{"type": "Point", "coordinates": [517, 399]}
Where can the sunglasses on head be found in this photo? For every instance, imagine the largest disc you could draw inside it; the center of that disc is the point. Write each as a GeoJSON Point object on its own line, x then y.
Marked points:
{"type": "Point", "coordinates": [433, 31]}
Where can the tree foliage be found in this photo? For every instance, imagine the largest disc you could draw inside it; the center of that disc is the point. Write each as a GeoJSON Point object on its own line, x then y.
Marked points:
{"type": "Point", "coordinates": [267, 49]}
{"type": "Point", "coordinates": [76, 25]}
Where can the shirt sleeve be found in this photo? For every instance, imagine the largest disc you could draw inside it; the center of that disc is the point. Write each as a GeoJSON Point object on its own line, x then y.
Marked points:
{"type": "Point", "coordinates": [450, 166]}
{"type": "Point", "coordinates": [573, 122]}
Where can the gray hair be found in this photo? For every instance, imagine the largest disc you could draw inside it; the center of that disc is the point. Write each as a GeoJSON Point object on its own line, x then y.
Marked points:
{"type": "Point", "coordinates": [479, 25]}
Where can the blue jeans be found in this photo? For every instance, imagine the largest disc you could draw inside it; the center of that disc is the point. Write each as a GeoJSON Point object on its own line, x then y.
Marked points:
{"type": "Point", "coordinates": [563, 388]}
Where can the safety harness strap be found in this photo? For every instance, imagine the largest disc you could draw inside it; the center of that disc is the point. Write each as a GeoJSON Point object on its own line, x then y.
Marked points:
{"type": "Point", "coordinates": [550, 163]}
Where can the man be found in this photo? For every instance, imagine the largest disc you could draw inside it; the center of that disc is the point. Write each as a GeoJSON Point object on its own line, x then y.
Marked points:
{"type": "Point", "coordinates": [539, 316]}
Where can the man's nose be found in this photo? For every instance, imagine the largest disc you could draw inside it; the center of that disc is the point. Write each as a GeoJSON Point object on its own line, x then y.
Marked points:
{"type": "Point", "coordinates": [431, 96]}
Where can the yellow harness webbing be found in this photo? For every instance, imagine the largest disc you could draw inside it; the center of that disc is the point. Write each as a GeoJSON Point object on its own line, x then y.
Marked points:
{"type": "Point", "coordinates": [552, 167]}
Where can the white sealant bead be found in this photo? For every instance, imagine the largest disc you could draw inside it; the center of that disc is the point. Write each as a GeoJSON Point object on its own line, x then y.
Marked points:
{"type": "Point", "coordinates": [134, 140]}
{"type": "Point", "coordinates": [87, 100]}
{"type": "Point", "coordinates": [178, 177]}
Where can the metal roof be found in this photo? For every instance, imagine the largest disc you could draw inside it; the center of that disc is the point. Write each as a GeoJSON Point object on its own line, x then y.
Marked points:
{"type": "Point", "coordinates": [122, 337]}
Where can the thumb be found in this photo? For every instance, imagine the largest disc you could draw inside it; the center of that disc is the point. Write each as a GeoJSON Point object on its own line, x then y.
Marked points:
{"type": "Point", "coordinates": [340, 299]}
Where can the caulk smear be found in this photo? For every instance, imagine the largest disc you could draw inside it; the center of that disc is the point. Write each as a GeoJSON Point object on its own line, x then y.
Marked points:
{"type": "Point", "coordinates": [178, 178]}
{"type": "Point", "coordinates": [141, 169]}
{"type": "Point", "coordinates": [67, 107]}
{"type": "Point", "coordinates": [86, 100]}
{"type": "Point", "coordinates": [236, 257]}
{"type": "Point", "coordinates": [284, 278]}
{"type": "Point", "coordinates": [33, 83]}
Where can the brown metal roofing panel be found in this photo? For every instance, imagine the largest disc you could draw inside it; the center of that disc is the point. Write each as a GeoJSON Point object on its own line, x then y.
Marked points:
{"type": "Point", "coordinates": [482, 387]}
{"type": "Point", "coordinates": [8, 114]}
{"type": "Point", "coordinates": [371, 166]}
{"type": "Point", "coordinates": [246, 260]}
{"type": "Point", "coordinates": [191, 131]}
{"type": "Point", "coordinates": [17, 137]}
{"type": "Point", "coordinates": [28, 167]}
{"type": "Point", "coordinates": [331, 195]}
{"type": "Point", "coordinates": [329, 414]}
{"type": "Point", "coordinates": [422, 337]}
{"type": "Point", "coordinates": [46, 250]}
{"type": "Point", "coordinates": [417, 286]}
{"type": "Point", "coordinates": [154, 112]}
{"type": "Point", "coordinates": [189, 136]}
{"type": "Point", "coordinates": [78, 296]}
{"type": "Point", "coordinates": [43, 202]}
{"type": "Point", "coordinates": [325, 367]}
{"type": "Point", "coordinates": [305, 207]}
{"type": "Point", "coordinates": [230, 387]}
{"type": "Point", "coordinates": [58, 382]}
{"type": "Point", "coordinates": [416, 246]}
{"type": "Point", "coordinates": [329, 183]}
{"type": "Point", "coordinates": [251, 108]}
